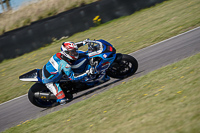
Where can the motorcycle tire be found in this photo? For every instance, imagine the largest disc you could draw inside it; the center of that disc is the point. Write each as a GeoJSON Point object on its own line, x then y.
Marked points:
{"type": "Point", "coordinates": [126, 67]}
{"type": "Point", "coordinates": [42, 103]}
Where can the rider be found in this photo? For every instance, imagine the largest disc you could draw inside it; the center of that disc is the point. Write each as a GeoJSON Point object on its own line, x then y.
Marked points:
{"type": "Point", "coordinates": [60, 64]}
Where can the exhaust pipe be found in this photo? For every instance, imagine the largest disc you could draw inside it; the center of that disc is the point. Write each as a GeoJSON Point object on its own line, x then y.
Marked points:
{"type": "Point", "coordinates": [43, 95]}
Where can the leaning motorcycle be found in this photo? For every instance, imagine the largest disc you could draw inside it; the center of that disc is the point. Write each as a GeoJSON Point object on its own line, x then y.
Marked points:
{"type": "Point", "coordinates": [107, 64]}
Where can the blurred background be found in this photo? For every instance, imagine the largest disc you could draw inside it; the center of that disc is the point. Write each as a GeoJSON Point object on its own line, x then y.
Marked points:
{"type": "Point", "coordinates": [13, 4]}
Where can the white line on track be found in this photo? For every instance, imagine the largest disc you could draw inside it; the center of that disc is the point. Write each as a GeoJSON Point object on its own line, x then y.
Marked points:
{"type": "Point", "coordinates": [130, 53]}
{"type": "Point", "coordinates": [13, 99]}
{"type": "Point", "coordinates": [167, 39]}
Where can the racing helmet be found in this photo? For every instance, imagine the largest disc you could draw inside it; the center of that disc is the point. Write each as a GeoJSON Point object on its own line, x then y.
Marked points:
{"type": "Point", "coordinates": [69, 50]}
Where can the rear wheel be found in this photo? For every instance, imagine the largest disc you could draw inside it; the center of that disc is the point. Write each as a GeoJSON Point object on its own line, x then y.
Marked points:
{"type": "Point", "coordinates": [43, 103]}
{"type": "Point", "coordinates": [127, 66]}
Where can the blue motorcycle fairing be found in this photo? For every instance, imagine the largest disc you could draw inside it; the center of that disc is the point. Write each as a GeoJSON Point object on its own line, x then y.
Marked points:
{"type": "Point", "coordinates": [107, 56]}
{"type": "Point", "coordinates": [105, 63]}
{"type": "Point", "coordinates": [105, 42]}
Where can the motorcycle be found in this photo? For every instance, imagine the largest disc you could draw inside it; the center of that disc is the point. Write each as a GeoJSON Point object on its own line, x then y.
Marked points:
{"type": "Point", "coordinates": [106, 64]}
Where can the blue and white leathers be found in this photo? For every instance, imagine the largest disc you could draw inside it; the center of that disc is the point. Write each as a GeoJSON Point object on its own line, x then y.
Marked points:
{"type": "Point", "coordinates": [53, 72]}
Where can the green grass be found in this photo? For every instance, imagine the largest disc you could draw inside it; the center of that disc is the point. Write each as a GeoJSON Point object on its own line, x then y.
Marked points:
{"type": "Point", "coordinates": [163, 101]}
{"type": "Point", "coordinates": [127, 34]}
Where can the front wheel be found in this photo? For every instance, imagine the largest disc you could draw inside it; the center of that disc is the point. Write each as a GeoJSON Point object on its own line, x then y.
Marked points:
{"type": "Point", "coordinates": [123, 68]}
{"type": "Point", "coordinates": [43, 103]}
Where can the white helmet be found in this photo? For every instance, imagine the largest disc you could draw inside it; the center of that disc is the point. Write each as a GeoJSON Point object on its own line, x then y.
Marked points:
{"type": "Point", "coordinates": [69, 50]}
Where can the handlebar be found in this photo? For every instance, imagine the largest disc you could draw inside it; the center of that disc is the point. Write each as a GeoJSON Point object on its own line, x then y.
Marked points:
{"type": "Point", "coordinates": [91, 46]}
{"type": "Point", "coordinates": [90, 41]}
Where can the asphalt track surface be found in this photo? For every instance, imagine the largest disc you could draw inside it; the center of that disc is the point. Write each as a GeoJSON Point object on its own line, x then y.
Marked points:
{"type": "Point", "coordinates": [19, 110]}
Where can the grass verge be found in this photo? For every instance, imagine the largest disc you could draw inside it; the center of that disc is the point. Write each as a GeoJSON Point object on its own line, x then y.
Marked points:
{"type": "Point", "coordinates": [127, 34]}
{"type": "Point", "coordinates": [163, 101]}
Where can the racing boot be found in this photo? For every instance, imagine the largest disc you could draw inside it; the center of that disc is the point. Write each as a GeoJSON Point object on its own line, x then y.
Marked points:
{"type": "Point", "coordinates": [62, 101]}
{"type": "Point", "coordinates": [57, 91]}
